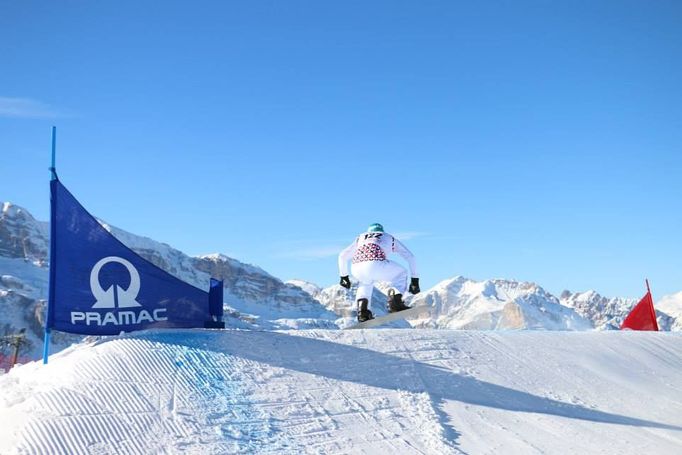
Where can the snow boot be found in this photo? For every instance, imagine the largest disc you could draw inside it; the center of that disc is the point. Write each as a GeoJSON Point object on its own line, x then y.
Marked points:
{"type": "Point", "coordinates": [363, 313]}
{"type": "Point", "coordinates": [395, 302]}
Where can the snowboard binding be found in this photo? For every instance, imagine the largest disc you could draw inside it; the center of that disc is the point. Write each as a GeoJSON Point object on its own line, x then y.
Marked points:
{"type": "Point", "coordinates": [395, 302]}
{"type": "Point", "coordinates": [363, 312]}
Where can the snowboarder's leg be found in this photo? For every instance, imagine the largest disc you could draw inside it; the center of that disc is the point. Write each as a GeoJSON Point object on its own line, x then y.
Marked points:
{"type": "Point", "coordinates": [365, 292]}
{"type": "Point", "coordinates": [363, 272]}
{"type": "Point", "coordinates": [396, 275]}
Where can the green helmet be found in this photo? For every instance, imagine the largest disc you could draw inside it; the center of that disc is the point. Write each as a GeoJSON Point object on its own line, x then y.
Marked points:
{"type": "Point", "coordinates": [375, 227]}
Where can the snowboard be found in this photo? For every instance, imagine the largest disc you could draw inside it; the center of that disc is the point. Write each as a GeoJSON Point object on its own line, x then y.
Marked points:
{"type": "Point", "coordinates": [390, 317]}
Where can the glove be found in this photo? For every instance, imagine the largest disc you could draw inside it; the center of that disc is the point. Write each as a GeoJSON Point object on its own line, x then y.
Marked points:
{"type": "Point", "coordinates": [414, 286]}
{"type": "Point", "coordinates": [345, 282]}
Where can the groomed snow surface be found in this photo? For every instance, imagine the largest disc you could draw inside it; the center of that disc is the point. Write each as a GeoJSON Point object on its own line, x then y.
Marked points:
{"type": "Point", "coordinates": [363, 391]}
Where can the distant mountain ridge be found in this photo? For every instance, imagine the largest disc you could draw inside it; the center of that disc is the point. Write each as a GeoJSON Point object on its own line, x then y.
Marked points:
{"type": "Point", "coordinates": [256, 299]}
{"type": "Point", "coordinates": [461, 303]}
{"type": "Point", "coordinates": [22, 236]}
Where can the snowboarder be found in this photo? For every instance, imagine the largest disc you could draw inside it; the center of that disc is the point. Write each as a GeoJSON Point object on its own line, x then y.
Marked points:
{"type": "Point", "coordinates": [370, 264]}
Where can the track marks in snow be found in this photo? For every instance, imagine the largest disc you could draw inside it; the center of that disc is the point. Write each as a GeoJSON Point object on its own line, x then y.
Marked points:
{"type": "Point", "coordinates": [374, 391]}
{"type": "Point", "coordinates": [394, 409]}
{"type": "Point", "coordinates": [136, 396]}
{"type": "Point", "coordinates": [323, 414]}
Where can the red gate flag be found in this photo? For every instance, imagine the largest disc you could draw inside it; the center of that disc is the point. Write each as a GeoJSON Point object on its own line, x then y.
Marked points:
{"type": "Point", "coordinates": [643, 315]}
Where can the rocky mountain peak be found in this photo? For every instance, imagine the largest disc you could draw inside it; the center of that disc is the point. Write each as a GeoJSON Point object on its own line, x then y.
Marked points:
{"type": "Point", "coordinates": [22, 236]}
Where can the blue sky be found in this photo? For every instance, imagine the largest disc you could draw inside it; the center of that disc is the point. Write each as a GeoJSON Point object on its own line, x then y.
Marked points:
{"type": "Point", "coordinates": [532, 140]}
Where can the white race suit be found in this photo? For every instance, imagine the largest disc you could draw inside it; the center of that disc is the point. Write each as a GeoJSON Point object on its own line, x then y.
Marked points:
{"type": "Point", "coordinates": [369, 253]}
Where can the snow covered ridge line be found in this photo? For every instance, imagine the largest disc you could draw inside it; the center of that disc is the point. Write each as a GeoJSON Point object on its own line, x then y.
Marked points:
{"type": "Point", "coordinates": [319, 391]}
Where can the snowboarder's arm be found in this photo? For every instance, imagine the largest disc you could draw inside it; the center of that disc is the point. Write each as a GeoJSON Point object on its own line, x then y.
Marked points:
{"type": "Point", "coordinates": [407, 255]}
{"type": "Point", "coordinates": [345, 256]}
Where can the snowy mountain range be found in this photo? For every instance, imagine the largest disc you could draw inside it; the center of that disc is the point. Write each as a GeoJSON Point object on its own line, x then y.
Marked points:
{"type": "Point", "coordinates": [255, 299]}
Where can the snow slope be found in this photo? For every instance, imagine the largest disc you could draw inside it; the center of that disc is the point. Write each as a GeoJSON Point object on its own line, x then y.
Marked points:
{"type": "Point", "coordinates": [372, 391]}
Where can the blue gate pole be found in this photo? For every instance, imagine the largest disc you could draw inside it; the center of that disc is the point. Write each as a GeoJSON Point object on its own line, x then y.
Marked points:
{"type": "Point", "coordinates": [50, 297]}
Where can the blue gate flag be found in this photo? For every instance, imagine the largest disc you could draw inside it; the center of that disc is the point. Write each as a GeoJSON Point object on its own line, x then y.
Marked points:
{"type": "Point", "coordinates": [215, 299]}
{"type": "Point", "coordinates": [101, 287]}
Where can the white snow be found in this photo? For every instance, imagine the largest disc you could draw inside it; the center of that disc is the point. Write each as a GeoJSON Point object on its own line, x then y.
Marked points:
{"type": "Point", "coordinates": [311, 288]}
{"type": "Point", "coordinates": [10, 209]}
{"type": "Point", "coordinates": [22, 275]}
{"type": "Point", "coordinates": [671, 304]}
{"type": "Point", "coordinates": [367, 391]}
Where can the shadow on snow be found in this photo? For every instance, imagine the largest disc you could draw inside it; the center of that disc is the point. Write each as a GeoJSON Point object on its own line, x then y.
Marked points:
{"type": "Point", "coordinates": [363, 366]}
